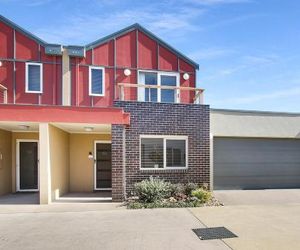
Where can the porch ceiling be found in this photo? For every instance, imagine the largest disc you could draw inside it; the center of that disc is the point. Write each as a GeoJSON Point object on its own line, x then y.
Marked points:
{"type": "Point", "coordinates": [84, 128]}
{"type": "Point", "coordinates": [20, 126]}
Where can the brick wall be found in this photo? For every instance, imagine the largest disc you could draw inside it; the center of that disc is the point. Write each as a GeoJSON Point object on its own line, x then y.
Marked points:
{"type": "Point", "coordinates": [161, 119]}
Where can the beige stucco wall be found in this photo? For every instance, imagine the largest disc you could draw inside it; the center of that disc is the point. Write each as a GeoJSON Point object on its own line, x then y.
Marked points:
{"type": "Point", "coordinates": [254, 124]}
{"type": "Point", "coordinates": [81, 168]}
{"type": "Point", "coordinates": [5, 162]}
{"type": "Point", "coordinates": [15, 137]}
{"type": "Point", "coordinates": [59, 161]}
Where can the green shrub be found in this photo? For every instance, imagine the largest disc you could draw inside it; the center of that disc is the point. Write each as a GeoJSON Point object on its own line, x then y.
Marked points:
{"type": "Point", "coordinates": [202, 195]}
{"type": "Point", "coordinates": [153, 190]}
{"type": "Point", "coordinates": [189, 187]}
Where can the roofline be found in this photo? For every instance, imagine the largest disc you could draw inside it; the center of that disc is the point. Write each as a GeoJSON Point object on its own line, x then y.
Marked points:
{"type": "Point", "coordinates": [258, 112]}
{"type": "Point", "coordinates": [103, 40]}
{"type": "Point", "coordinates": [137, 26]}
{"type": "Point", "coordinates": [21, 30]}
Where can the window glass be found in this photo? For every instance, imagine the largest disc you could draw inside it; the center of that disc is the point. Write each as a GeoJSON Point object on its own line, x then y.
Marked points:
{"type": "Point", "coordinates": [168, 95]}
{"type": "Point", "coordinates": [175, 153]}
{"type": "Point", "coordinates": [152, 153]}
{"type": "Point", "coordinates": [149, 78]}
{"type": "Point", "coordinates": [34, 78]}
{"type": "Point", "coordinates": [96, 81]}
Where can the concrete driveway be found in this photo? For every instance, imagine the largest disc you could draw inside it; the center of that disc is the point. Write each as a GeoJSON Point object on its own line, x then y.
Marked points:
{"type": "Point", "coordinates": [262, 219]}
{"type": "Point", "coordinates": [99, 226]}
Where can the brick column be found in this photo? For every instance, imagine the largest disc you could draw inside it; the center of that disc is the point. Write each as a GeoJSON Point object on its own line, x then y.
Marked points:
{"type": "Point", "coordinates": [118, 164]}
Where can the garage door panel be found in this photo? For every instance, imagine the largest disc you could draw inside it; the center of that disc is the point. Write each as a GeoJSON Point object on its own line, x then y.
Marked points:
{"type": "Point", "coordinates": [256, 163]}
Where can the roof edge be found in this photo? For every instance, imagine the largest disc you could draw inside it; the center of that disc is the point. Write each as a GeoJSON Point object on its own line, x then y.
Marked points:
{"type": "Point", "coordinates": [147, 32]}
{"type": "Point", "coordinates": [258, 112]}
{"type": "Point", "coordinates": [22, 30]}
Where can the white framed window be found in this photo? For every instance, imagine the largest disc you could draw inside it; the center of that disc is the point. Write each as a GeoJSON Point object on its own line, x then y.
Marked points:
{"type": "Point", "coordinates": [161, 152]}
{"type": "Point", "coordinates": [96, 81]}
{"type": "Point", "coordinates": [158, 78]}
{"type": "Point", "coordinates": [34, 78]}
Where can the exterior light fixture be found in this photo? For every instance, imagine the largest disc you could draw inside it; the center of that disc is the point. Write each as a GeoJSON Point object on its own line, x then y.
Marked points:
{"type": "Point", "coordinates": [127, 72]}
{"type": "Point", "coordinates": [186, 76]}
{"type": "Point", "coordinates": [88, 129]}
{"type": "Point", "coordinates": [24, 127]}
{"type": "Point", "coordinates": [90, 156]}
{"type": "Point", "coordinates": [1, 63]}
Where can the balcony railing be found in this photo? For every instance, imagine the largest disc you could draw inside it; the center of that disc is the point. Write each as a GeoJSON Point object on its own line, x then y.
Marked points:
{"type": "Point", "coordinates": [3, 94]}
{"type": "Point", "coordinates": [132, 92]}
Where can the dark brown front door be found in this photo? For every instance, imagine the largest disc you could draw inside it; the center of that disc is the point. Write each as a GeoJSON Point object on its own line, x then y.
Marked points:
{"type": "Point", "coordinates": [28, 166]}
{"type": "Point", "coordinates": [103, 166]}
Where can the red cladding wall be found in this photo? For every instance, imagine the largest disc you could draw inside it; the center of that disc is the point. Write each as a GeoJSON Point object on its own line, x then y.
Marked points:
{"type": "Point", "coordinates": [28, 50]}
{"type": "Point", "coordinates": [125, 47]}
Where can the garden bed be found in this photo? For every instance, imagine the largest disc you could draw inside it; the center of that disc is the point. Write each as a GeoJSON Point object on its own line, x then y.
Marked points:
{"type": "Point", "coordinates": [157, 193]}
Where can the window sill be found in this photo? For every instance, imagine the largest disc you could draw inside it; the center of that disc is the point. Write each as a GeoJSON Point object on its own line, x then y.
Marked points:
{"type": "Point", "coordinates": [164, 170]}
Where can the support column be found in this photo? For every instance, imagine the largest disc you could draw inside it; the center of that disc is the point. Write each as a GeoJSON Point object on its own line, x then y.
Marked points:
{"type": "Point", "coordinates": [44, 164]}
{"type": "Point", "coordinates": [118, 162]}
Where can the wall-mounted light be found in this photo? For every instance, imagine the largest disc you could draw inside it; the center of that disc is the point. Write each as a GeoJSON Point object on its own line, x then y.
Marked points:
{"type": "Point", "coordinates": [127, 72]}
{"type": "Point", "coordinates": [90, 156]}
{"type": "Point", "coordinates": [88, 129]}
{"type": "Point", "coordinates": [186, 76]}
{"type": "Point", "coordinates": [1, 64]}
{"type": "Point", "coordinates": [23, 127]}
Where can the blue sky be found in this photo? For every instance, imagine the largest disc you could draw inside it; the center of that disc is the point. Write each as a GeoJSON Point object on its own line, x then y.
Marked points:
{"type": "Point", "coordinates": [248, 50]}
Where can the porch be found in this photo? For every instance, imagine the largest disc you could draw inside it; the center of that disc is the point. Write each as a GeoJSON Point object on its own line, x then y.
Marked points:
{"type": "Point", "coordinates": [57, 162]}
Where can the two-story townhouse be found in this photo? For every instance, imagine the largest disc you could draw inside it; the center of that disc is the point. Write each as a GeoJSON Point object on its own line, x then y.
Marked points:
{"type": "Point", "coordinates": [99, 117]}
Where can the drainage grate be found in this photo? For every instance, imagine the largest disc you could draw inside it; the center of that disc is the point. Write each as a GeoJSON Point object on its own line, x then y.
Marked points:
{"type": "Point", "coordinates": [212, 233]}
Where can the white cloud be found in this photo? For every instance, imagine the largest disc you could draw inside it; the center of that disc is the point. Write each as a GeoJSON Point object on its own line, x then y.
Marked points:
{"type": "Point", "coordinates": [210, 53]}
{"type": "Point", "coordinates": [278, 94]}
{"type": "Point", "coordinates": [84, 27]}
{"type": "Point", "coordinates": [30, 3]}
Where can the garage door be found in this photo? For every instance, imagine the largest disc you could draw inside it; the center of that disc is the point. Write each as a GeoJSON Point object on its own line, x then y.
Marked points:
{"type": "Point", "coordinates": [256, 163]}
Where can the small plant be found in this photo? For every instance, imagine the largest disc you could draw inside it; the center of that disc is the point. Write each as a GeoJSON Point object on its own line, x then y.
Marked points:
{"type": "Point", "coordinates": [201, 194]}
{"type": "Point", "coordinates": [189, 187]}
{"type": "Point", "coordinates": [153, 190]}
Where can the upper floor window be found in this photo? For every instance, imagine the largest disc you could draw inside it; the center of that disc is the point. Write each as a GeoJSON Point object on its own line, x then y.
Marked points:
{"type": "Point", "coordinates": [96, 81]}
{"type": "Point", "coordinates": [169, 80]}
{"type": "Point", "coordinates": [34, 78]}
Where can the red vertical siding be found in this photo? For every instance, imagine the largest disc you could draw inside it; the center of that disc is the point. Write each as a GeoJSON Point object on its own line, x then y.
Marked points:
{"type": "Point", "coordinates": [6, 41]}
{"type": "Point", "coordinates": [104, 54]}
{"type": "Point", "coordinates": [26, 48]}
{"type": "Point", "coordinates": [147, 50]}
{"type": "Point", "coordinates": [126, 50]}
{"type": "Point", "coordinates": [129, 93]}
{"type": "Point", "coordinates": [167, 60]}
{"type": "Point", "coordinates": [6, 79]}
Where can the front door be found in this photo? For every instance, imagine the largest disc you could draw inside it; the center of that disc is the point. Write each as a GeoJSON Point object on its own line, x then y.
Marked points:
{"type": "Point", "coordinates": [102, 166]}
{"type": "Point", "coordinates": [27, 166]}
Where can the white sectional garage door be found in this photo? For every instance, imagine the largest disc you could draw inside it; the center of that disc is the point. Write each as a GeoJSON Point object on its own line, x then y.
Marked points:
{"type": "Point", "coordinates": [256, 163]}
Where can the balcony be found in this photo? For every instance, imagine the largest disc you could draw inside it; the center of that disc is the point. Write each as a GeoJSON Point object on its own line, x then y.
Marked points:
{"type": "Point", "coordinates": [3, 94]}
{"type": "Point", "coordinates": [156, 93]}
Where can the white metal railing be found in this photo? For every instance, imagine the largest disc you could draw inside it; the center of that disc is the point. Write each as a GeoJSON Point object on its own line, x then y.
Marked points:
{"type": "Point", "coordinates": [197, 93]}
{"type": "Point", "coordinates": [3, 94]}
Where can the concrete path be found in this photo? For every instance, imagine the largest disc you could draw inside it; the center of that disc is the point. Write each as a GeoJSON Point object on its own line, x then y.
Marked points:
{"type": "Point", "coordinates": [264, 219]}
{"type": "Point", "coordinates": [259, 197]}
{"type": "Point", "coordinates": [110, 228]}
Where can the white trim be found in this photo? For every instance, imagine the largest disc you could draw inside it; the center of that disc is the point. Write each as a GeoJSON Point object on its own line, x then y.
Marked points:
{"type": "Point", "coordinates": [159, 74]}
{"type": "Point", "coordinates": [41, 78]}
{"type": "Point", "coordinates": [165, 138]}
{"type": "Point", "coordinates": [18, 189]}
{"type": "Point", "coordinates": [90, 80]}
{"type": "Point", "coordinates": [95, 164]}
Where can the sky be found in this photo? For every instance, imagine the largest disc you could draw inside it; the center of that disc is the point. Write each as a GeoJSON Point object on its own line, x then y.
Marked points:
{"type": "Point", "coordinates": [248, 50]}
